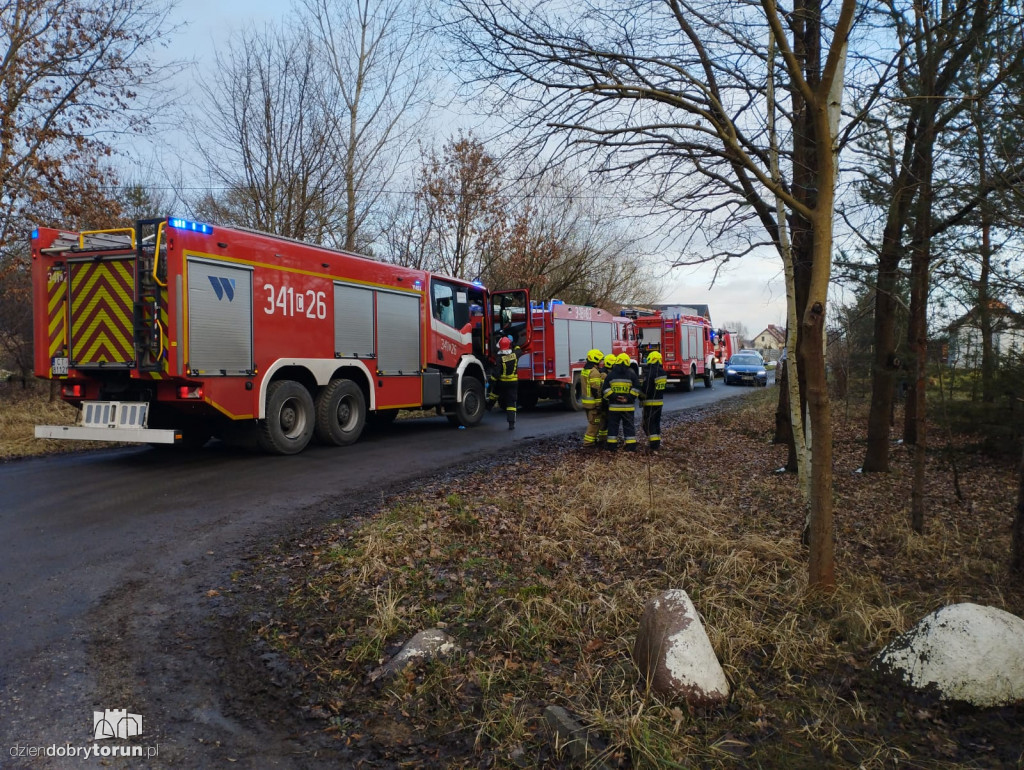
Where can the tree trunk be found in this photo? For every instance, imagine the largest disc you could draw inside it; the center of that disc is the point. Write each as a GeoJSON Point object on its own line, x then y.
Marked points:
{"type": "Point", "coordinates": [916, 430]}
{"type": "Point", "coordinates": [1017, 543]}
{"type": "Point", "coordinates": [988, 363]}
{"type": "Point", "coordinates": [876, 459]}
{"type": "Point", "coordinates": [821, 541]}
{"type": "Point", "coordinates": [783, 417]}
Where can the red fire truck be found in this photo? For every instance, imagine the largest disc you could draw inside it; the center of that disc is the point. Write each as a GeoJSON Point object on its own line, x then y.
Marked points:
{"type": "Point", "coordinates": [724, 345]}
{"type": "Point", "coordinates": [685, 345]}
{"type": "Point", "coordinates": [561, 337]}
{"type": "Point", "coordinates": [173, 331]}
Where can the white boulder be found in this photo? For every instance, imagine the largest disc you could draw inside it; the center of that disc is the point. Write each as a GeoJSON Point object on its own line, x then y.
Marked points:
{"type": "Point", "coordinates": [963, 652]}
{"type": "Point", "coordinates": [674, 654]}
{"type": "Point", "coordinates": [424, 646]}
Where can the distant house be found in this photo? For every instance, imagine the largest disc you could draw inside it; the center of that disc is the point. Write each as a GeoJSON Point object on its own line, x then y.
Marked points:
{"type": "Point", "coordinates": [965, 335]}
{"type": "Point", "coordinates": [772, 338]}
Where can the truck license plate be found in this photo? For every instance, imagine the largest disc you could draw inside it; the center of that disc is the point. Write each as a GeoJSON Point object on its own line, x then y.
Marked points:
{"type": "Point", "coordinates": [59, 365]}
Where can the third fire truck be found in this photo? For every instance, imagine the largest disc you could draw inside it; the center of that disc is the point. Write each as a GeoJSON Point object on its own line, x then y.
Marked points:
{"type": "Point", "coordinates": [173, 331]}
{"type": "Point", "coordinates": [685, 345]}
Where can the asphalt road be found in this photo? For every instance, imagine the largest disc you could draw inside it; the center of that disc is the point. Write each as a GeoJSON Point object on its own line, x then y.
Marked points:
{"type": "Point", "coordinates": [109, 558]}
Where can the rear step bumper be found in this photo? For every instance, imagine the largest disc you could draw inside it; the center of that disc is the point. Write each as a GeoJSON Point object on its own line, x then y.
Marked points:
{"type": "Point", "coordinates": [125, 435]}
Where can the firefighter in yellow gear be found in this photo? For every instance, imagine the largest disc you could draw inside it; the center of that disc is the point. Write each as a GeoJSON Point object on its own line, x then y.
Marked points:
{"type": "Point", "coordinates": [621, 388]}
{"type": "Point", "coordinates": [602, 434]}
{"type": "Point", "coordinates": [505, 380]}
{"type": "Point", "coordinates": [592, 383]}
{"type": "Point", "coordinates": [652, 398]}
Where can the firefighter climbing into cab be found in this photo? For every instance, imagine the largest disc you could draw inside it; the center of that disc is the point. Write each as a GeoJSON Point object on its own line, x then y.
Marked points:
{"type": "Point", "coordinates": [505, 380]}
{"type": "Point", "coordinates": [621, 388]}
{"type": "Point", "coordinates": [592, 381]}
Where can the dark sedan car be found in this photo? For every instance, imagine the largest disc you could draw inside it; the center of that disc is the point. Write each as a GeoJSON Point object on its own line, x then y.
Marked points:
{"type": "Point", "coordinates": [746, 369]}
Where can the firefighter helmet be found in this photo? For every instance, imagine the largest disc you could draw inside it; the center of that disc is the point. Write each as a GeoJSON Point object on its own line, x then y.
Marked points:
{"type": "Point", "coordinates": [610, 360]}
{"type": "Point", "coordinates": [504, 344]}
{"type": "Point", "coordinates": [623, 358]}
{"type": "Point", "coordinates": [654, 357]}
{"type": "Point", "coordinates": [595, 356]}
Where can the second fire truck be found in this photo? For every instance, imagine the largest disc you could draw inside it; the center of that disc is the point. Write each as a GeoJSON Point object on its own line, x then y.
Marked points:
{"type": "Point", "coordinates": [561, 335]}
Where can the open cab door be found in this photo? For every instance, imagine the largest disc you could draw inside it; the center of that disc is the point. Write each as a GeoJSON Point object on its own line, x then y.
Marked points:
{"type": "Point", "coordinates": [510, 317]}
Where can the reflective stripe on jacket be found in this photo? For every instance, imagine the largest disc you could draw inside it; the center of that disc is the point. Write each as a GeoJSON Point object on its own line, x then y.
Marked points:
{"type": "Point", "coordinates": [654, 385]}
{"type": "Point", "coordinates": [591, 380]}
{"type": "Point", "coordinates": [508, 367]}
{"type": "Point", "coordinates": [620, 389]}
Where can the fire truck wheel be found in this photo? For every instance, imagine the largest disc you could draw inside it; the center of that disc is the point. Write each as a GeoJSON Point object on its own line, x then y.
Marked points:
{"type": "Point", "coordinates": [686, 383]}
{"type": "Point", "coordinates": [340, 413]}
{"type": "Point", "coordinates": [471, 409]}
{"type": "Point", "coordinates": [528, 398]}
{"type": "Point", "coordinates": [709, 378]}
{"type": "Point", "coordinates": [572, 398]}
{"type": "Point", "coordinates": [289, 423]}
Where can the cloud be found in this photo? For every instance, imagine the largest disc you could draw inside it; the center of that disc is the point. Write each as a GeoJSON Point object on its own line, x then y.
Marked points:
{"type": "Point", "coordinates": [753, 292]}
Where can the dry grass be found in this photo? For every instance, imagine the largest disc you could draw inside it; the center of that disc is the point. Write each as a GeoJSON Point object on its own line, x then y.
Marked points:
{"type": "Point", "coordinates": [541, 572]}
{"type": "Point", "coordinates": [21, 410]}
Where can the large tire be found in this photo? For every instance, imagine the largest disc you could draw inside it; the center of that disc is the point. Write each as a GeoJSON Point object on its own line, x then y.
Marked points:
{"type": "Point", "coordinates": [382, 418]}
{"type": "Point", "coordinates": [340, 413]}
{"type": "Point", "coordinates": [709, 378]}
{"type": "Point", "coordinates": [687, 383]}
{"type": "Point", "coordinates": [527, 398]}
{"type": "Point", "coordinates": [572, 398]}
{"type": "Point", "coordinates": [288, 426]}
{"type": "Point", "coordinates": [470, 410]}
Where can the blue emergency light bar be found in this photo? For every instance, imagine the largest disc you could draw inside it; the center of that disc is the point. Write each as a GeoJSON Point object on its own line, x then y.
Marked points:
{"type": "Point", "coordinates": [195, 227]}
{"type": "Point", "coordinates": [35, 234]}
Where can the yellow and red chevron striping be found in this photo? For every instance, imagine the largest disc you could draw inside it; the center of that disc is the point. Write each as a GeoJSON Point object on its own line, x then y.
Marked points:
{"type": "Point", "coordinates": [56, 312]}
{"type": "Point", "coordinates": [102, 311]}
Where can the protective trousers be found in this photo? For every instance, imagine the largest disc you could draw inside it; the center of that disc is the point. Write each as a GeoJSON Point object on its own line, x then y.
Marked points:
{"type": "Point", "coordinates": [652, 425]}
{"type": "Point", "coordinates": [508, 393]}
{"type": "Point", "coordinates": [627, 420]}
{"type": "Point", "coordinates": [597, 424]}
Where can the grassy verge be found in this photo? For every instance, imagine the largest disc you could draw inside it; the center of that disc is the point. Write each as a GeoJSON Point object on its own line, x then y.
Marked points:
{"type": "Point", "coordinates": [21, 410]}
{"type": "Point", "coordinates": [540, 570]}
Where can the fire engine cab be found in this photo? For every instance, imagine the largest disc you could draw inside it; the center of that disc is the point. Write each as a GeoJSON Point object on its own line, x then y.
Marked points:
{"type": "Point", "coordinates": [174, 331]}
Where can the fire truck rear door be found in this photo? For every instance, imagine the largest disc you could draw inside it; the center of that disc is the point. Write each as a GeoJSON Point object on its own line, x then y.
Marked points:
{"type": "Point", "coordinates": [102, 295]}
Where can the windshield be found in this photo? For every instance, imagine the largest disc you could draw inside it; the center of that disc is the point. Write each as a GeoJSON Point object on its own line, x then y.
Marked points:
{"type": "Point", "coordinates": [745, 361]}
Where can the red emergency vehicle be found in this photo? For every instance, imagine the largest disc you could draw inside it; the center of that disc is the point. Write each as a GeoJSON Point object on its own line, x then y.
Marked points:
{"type": "Point", "coordinates": [685, 345]}
{"type": "Point", "coordinates": [173, 331]}
{"type": "Point", "coordinates": [561, 336]}
{"type": "Point", "coordinates": [724, 345]}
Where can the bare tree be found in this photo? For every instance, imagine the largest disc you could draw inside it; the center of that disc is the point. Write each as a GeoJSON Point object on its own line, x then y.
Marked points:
{"type": "Point", "coordinates": [937, 43]}
{"type": "Point", "coordinates": [563, 240]}
{"type": "Point", "coordinates": [377, 60]}
{"type": "Point", "coordinates": [271, 142]}
{"type": "Point", "coordinates": [461, 192]}
{"type": "Point", "coordinates": [673, 90]}
{"type": "Point", "coordinates": [73, 74]}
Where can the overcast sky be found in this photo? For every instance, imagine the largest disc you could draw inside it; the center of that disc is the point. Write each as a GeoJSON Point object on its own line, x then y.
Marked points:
{"type": "Point", "coordinates": [751, 292]}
